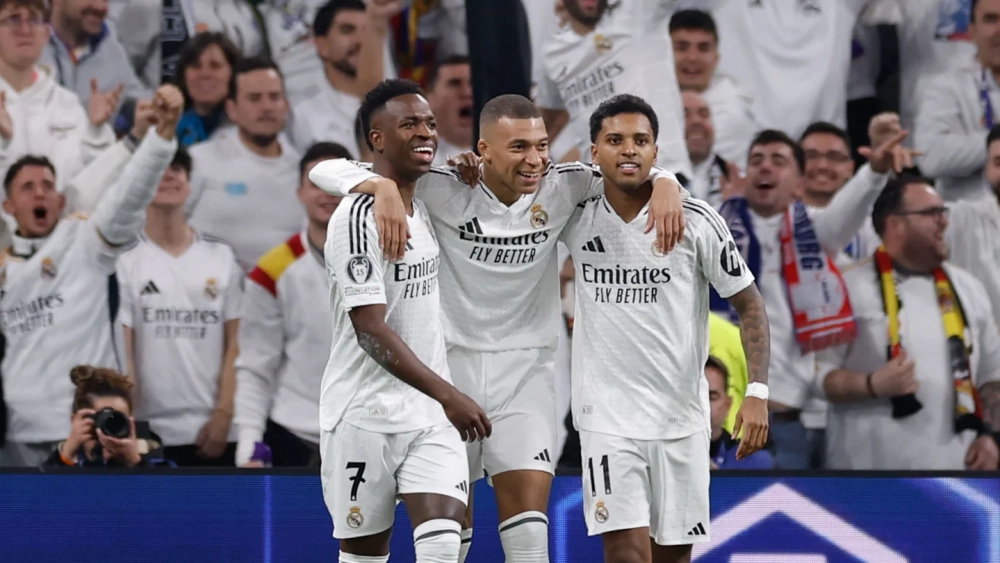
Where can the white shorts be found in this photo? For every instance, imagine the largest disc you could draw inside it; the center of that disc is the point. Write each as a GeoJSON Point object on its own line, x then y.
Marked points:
{"type": "Point", "coordinates": [364, 472]}
{"type": "Point", "coordinates": [659, 484]}
{"type": "Point", "coordinates": [516, 389]}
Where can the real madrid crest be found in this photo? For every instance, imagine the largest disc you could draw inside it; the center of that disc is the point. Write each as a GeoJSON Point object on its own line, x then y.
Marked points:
{"type": "Point", "coordinates": [603, 44]}
{"type": "Point", "coordinates": [354, 517]}
{"type": "Point", "coordinates": [601, 513]}
{"type": "Point", "coordinates": [539, 218]}
{"type": "Point", "coordinates": [656, 250]}
{"type": "Point", "coordinates": [211, 289]}
{"type": "Point", "coordinates": [49, 270]}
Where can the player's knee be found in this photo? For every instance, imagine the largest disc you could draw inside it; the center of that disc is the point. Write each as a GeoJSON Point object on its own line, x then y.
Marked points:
{"type": "Point", "coordinates": [463, 551]}
{"type": "Point", "coordinates": [437, 541]}
{"type": "Point", "coordinates": [525, 537]}
{"type": "Point", "coordinates": [351, 558]}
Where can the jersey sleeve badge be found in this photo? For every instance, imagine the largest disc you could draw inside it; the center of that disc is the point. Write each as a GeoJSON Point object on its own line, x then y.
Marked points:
{"type": "Point", "coordinates": [359, 269]}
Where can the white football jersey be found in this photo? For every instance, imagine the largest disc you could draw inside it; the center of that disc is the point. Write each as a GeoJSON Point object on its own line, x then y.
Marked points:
{"type": "Point", "coordinates": [629, 52]}
{"type": "Point", "coordinates": [640, 334]}
{"type": "Point", "coordinates": [55, 314]}
{"type": "Point", "coordinates": [355, 387]}
{"type": "Point", "coordinates": [499, 263]}
{"type": "Point", "coordinates": [177, 307]}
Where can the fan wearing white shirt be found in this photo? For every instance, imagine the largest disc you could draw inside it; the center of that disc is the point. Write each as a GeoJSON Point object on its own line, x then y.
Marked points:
{"type": "Point", "coordinates": [790, 249]}
{"type": "Point", "coordinates": [601, 52]}
{"type": "Point", "coordinates": [640, 399]}
{"type": "Point", "coordinates": [499, 262]}
{"type": "Point", "coordinates": [696, 58]}
{"type": "Point", "coordinates": [285, 335]}
{"type": "Point", "coordinates": [926, 362]}
{"type": "Point", "coordinates": [958, 109]}
{"type": "Point", "coordinates": [57, 290]}
{"type": "Point", "coordinates": [392, 422]}
{"type": "Point", "coordinates": [350, 39]}
{"type": "Point", "coordinates": [449, 92]}
{"type": "Point", "coordinates": [247, 175]}
{"type": "Point", "coordinates": [180, 308]}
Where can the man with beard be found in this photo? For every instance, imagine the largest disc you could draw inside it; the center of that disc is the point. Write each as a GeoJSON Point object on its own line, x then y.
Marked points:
{"type": "Point", "coordinates": [247, 175]}
{"type": "Point", "coordinates": [499, 264]}
{"type": "Point", "coordinates": [602, 52]}
{"type": "Point", "coordinates": [350, 40]}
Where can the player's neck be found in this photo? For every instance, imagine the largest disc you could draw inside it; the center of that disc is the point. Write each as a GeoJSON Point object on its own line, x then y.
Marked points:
{"type": "Point", "coordinates": [495, 184]}
{"type": "Point", "coordinates": [406, 187]}
{"type": "Point", "coordinates": [628, 204]}
{"type": "Point", "coordinates": [168, 228]}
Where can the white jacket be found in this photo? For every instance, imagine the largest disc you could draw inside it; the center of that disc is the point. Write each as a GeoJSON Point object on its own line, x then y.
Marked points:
{"type": "Point", "coordinates": [50, 121]}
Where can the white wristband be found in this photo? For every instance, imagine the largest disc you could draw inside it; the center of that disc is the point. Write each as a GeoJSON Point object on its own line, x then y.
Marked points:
{"type": "Point", "coordinates": [758, 390]}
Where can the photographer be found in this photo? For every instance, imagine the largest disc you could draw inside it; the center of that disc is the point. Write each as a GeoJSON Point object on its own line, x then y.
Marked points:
{"type": "Point", "coordinates": [102, 431]}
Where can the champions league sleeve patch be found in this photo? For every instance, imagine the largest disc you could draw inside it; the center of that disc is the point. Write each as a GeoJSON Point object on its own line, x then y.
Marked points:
{"type": "Point", "coordinates": [359, 269]}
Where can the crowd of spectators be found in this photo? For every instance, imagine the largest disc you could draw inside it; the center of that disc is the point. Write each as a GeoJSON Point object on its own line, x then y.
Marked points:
{"type": "Point", "coordinates": [182, 133]}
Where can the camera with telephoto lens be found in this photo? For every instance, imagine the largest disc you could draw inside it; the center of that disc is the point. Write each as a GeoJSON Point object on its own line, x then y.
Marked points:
{"type": "Point", "coordinates": [112, 422]}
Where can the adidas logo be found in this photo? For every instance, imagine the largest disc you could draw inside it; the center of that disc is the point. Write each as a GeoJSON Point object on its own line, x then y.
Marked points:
{"type": "Point", "coordinates": [150, 289]}
{"type": "Point", "coordinates": [544, 456]}
{"type": "Point", "coordinates": [462, 487]}
{"type": "Point", "coordinates": [594, 245]}
{"type": "Point", "coordinates": [472, 227]}
{"type": "Point", "coordinates": [698, 530]}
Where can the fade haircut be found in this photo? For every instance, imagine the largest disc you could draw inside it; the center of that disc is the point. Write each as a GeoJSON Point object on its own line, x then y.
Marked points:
{"type": "Point", "coordinates": [696, 20]}
{"type": "Point", "coordinates": [772, 137]}
{"type": "Point", "coordinates": [322, 151]}
{"type": "Point", "coordinates": [248, 65]}
{"type": "Point", "coordinates": [376, 99]}
{"type": "Point", "coordinates": [509, 106]}
{"type": "Point", "coordinates": [825, 127]}
{"type": "Point", "coordinates": [617, 105]}
{"type": "Point", "coordinates": [22, 163]}
{"type": "Point", "coordinates": [890, 201]}
{"type": "Point", "coordinates": [325, 16]}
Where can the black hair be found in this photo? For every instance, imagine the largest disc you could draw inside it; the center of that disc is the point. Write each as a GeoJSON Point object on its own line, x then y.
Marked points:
{"type": "Point", "coordinates": [993, 136]}
{"type": "Point", "coordinates": [193, 50]}
{"type": "Point", "coordinates": [509, 106]}
{"type": "Point", "coordinates": [325, 15]}
{"type": "Point", "coordinates": [617, 105]}
{"type": "Point", "coordinates": [890, 201]}
{"type": "Point", "coordinates": [182, 158]}
{"type": "Point", "coordinates": [716, 363]}
{"type": "Point", "coordinates": [248, 65]}
{"type": "Point", "coordinates": [376, 99]}
{"type": "Point", "coordinates": [322, 151]}
{"type": "Point", "coordinates": [23, 162]}
{"type": "Point", "coordinates": [972, 10]}
{"type": "Point", "coordinates": [773, 136]}
{"type": "Point", "coordinates": [435, 72]}
{"type": "Point", "coordinates": [694, 19]}
{"type": "Point", "coordinates": [825, 127]}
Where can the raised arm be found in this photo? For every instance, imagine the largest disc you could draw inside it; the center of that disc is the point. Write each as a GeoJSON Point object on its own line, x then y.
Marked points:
{"type": "Point", "coordinates": [121, 214]}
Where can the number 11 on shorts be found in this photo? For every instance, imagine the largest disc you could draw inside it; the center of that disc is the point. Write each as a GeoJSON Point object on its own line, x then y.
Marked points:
{"type": "Point", "coordinates": [604, 469]}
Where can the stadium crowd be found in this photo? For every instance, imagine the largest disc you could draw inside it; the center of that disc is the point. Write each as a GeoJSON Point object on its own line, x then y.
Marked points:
{"type": "Point", "coordinates": [851, 145]}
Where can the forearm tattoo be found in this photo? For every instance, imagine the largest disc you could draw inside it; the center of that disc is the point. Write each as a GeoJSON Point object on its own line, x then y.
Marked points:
{"type": "Point", "coordinates": [754, 331]}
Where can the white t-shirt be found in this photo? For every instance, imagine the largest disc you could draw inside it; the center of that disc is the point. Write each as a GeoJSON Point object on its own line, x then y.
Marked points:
{"type": "Point", "coordinates": [793, 57]}
{"type": "Point", "coordinates": [499, 268]}
{"type": "Point", "coordinates": [54, 314]}
{"type": "Point", "coordinates": [243, 198]}
{"type": "Point", "coordinates": [327, 115]}
{"type": "Point", "coordinates": [355, 387]}
{"type": "Point", "coordinates": [629, 52]}
{"type": "Point", "coordinates": [864, 435]}
{"type": "Point", "coordinates": [640, 333]}
{"type": "Point", "coordinates": [178, 307]}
